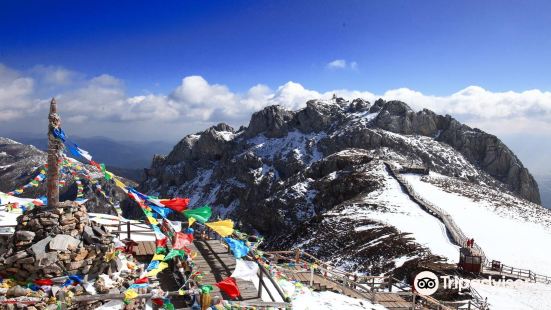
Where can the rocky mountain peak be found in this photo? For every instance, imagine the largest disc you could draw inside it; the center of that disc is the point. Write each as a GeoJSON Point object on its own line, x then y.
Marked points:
{"type": "Point", "coordinates": [313, 171]}
{"type": "Point", "coordinates": [286, 142]}
{"type": "Point", "coordinates": [271, 121]}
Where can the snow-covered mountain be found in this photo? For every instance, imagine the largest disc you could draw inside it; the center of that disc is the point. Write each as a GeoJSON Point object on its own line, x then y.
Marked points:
{"type": "Point", "coordinates": [318, 178]}
{"type": "Point", "coordinates": [20, 163]}
{"type": "Point", "coordinates": [544, 182]}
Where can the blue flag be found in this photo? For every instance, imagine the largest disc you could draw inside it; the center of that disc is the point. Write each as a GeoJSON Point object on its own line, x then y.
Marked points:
{"type": "Point", "coordinates": [164, 212]}
{"type": "Point", "coordinates": [58, 133]}
{"type": "Point", "coordinates": [237, 247]}
{"type": "Point", "coordinates": [153, 265]}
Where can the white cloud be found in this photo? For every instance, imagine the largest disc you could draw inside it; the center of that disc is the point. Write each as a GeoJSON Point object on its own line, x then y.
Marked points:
{"type": "Point", "coordinates": [15, 94]}
{"type": "Point", "coordinates": [196, 103]}
{"type": "Point", "coordinates": [53, 75]}
{"type": "Point", "coordinates": [339, 64]}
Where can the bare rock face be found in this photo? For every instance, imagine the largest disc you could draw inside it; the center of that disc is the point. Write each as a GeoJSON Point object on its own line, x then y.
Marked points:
{"type": "Point", "coordinates": [50, 243]}
{"type": "Point", "coordinates": [272, 121]}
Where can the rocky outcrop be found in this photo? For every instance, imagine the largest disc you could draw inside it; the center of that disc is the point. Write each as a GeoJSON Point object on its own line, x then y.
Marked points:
{"type": "Point", "coordinates": [482, 149]}
{"type": "Point", "coordinates": [272, 122]}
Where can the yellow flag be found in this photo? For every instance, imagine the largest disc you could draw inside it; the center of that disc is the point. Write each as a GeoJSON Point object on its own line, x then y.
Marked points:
{"type": "Point", "coordinates": [119, 183]}
{"type": "Point", "coordinates": [152, 220]}
{"type": "Point", "coordinates": [163, 266]}
{"type": "Point", "coordinates": [110, 256]}
{"type": "Point", "coordinates": [153, 273]}
{"type": "Point", "coordinates": [191, 220]}
{"type": "Point", "coordinates": [223, 228]}
{"type": "Point", "coordinates": [158, 257]}
{"type": "Point", "coordinates": [130, 294]}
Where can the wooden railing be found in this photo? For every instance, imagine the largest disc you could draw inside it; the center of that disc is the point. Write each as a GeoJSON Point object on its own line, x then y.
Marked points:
{"type": "Point", "coordinates": [457, 234]}
{"type": "Point", "coordinates": [262, 273]}
{"type": "Point", "coordinates": [520, 273]}
{"type": "Point", "coordinates": [367, 287]}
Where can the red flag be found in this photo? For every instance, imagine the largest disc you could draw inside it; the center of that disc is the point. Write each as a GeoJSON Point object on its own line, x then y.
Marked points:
{"type": "Point", "coordinates": [157, 301]}
{"type": "Point", "coordinates": [95, 164]}
{"type": "Point", "coordinates": [181, 240]}
{"type": "Point", "coordinates": [176, 204]}
{"type": "Point", "coordinates": [41, 282]}
{"type": "Point", "coordinates": [229, 286]}
{"type": "Point", "coordinates": [160, 243]}
{"type": "Point", "coordinates": [141, 281]}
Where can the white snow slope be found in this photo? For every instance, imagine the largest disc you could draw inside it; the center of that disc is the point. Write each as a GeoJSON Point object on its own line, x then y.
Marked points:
{"type": "Point", "coordinates": [532, 296]}
{"type": "Point", "coordinates": [404, 214]}
{"type": "Point", "coordinates": [517, 234]}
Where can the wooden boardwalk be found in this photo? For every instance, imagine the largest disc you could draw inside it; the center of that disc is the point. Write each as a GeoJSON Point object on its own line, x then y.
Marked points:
{"type": "Point", "coordinates": [389, 300]}
{"type": "Point", "coordinates": [145, 248]}
{"type": "Point", "coordinates": [214, 260]}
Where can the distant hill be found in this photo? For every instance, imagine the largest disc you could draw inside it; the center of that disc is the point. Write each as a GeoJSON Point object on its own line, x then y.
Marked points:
{"type": "Point", "coordinates": [127, 157]}
{"type": "Point", "coordinates": [20, 163]}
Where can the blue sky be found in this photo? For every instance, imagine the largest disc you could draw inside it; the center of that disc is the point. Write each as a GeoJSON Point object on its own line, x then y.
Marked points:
{"type": "Point", "coordinates": [436, 47]}
{"type": "Point", "coordinates": [136, 70]}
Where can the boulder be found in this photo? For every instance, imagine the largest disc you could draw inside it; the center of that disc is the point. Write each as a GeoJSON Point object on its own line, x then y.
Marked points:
{"type": "Point", "coordinates": [39, 248]}
{"type": "Point", "coordinates": [24, 235]}
{"type": "Point", "coordinates": [63, 242]}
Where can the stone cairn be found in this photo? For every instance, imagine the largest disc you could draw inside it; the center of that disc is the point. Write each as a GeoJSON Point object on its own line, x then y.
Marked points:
{"type": "Point", "coordinates": [54, 243]}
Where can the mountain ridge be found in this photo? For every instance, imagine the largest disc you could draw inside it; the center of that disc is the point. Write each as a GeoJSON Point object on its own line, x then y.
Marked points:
{"type": "Point", "coordinates": [315, 179]}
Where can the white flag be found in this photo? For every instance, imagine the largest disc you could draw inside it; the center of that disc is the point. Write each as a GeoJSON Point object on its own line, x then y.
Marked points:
{"type": "Point", "coordinates": [245, 270]}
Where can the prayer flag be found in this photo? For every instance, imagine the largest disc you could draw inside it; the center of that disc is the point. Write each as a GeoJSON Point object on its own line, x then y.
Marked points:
{"type": "Point", "coordinates": [237, 247]}
{"type": "Point", "coordinates": [229, 286]}
{"type": "Point", "coordinates": [181, 240]}
{"type": "Point", "coordinates": [246, 270]}
{"type": "Point", "coordinates": [223, 228]}
{"type": "Point", "coordinates": [202, 214]}
{"type": "Point", "coordinates": [176, 204]}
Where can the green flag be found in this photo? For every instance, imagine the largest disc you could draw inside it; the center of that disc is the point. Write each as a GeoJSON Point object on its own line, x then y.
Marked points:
{"type": "Point", "coordinates": [168, 305]}
{"type": "Point", "coordinates": [106, 173]}
{"type": "Point", "coordinates": [202, 214]}
{"type": "Point", "coordinates": [173, 253]}
{"type": "Point", "coordinates": [206, 289]}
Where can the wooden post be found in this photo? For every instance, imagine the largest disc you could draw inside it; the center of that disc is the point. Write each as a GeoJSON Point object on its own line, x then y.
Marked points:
{"type": "Point", "coordinates": [297, 256]}
{"type": "Point", "coordinates": [128, 230]}
{"type": "Point", "coordinates": [311, 276]}
{"type": "Point", "coordinates": [119, 229]}
{"type": "Point", "coordinates": [260, 282]}
{"type": "Point", "coordinates": [54, 155]}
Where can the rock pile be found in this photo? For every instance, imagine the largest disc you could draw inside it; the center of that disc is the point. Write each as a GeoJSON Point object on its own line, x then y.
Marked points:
{"type": "Point", "coordinates": [49, 243]}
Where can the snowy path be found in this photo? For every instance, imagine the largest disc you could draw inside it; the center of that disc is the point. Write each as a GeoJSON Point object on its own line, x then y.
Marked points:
{"type": "Point", "coordinates": [407, 216]}
{"type": "Point", "coordinates": [512, 241]}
